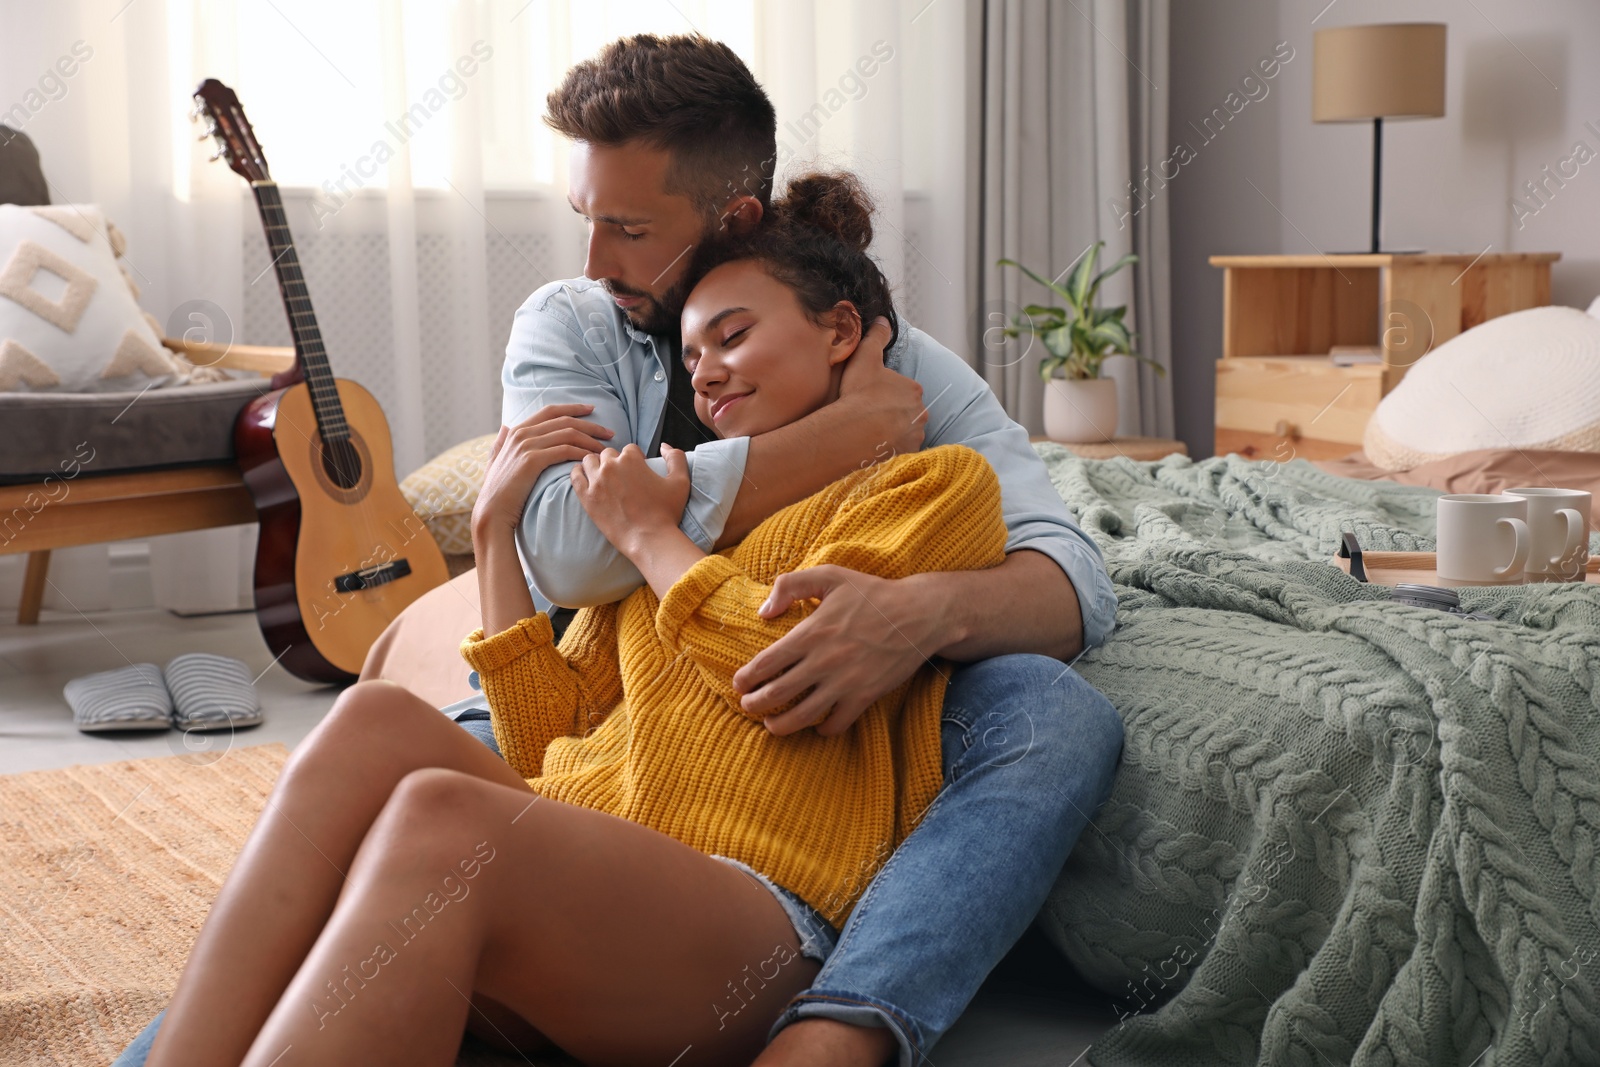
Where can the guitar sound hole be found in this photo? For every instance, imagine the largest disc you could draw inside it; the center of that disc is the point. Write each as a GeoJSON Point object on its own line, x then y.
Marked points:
{"type": "Point", "coordinates": [342, 463]}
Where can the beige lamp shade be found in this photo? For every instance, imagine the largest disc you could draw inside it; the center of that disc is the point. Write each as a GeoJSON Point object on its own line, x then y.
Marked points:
{"type": "Point", "coordinates": [1390, 70]}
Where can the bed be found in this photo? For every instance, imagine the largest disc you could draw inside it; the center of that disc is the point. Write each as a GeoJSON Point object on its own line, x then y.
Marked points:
{"type": "Point", "coordinates": [1344, 830]}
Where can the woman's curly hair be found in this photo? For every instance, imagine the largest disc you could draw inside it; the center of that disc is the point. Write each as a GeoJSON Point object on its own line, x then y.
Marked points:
{"type": "Point", "coordinates": [815, 242]}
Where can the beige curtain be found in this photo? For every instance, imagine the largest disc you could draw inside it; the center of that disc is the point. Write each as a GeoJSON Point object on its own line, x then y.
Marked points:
{"type": "Point", "coordinates": [1074, 108]}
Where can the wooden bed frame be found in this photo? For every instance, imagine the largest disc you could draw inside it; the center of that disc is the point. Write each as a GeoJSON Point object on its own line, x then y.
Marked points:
{"type": "Point", "coordinates": [135, 504]}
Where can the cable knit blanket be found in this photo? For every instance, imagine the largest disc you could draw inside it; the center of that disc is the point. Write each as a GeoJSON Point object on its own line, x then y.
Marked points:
{"type": "Point", "coordinates": [1345, 831]}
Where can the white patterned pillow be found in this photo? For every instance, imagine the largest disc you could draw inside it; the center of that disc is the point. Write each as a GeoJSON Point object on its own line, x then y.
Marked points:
{"type": "Point", "coordinates": [1528, 380]}
{"type": "Point", "coordinates": [69, 314]}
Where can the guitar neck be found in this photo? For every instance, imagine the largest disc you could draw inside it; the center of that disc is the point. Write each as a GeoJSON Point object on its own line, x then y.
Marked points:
{"type": "Point", "coordinates": [312, 357]}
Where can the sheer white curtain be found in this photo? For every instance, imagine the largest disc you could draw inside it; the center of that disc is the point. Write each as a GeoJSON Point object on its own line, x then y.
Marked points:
{"type": "Point", "coordinates": [881, 88]}
{"type": "Point", "coordinates": [426, 198]}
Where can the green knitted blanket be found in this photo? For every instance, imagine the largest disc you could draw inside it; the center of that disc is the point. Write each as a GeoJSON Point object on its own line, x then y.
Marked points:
{"type": "Point", "coordinates": [1344, 831]}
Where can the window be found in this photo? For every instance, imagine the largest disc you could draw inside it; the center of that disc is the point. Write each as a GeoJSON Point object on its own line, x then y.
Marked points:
{"type": "Point", "coordinates": [335, 90]}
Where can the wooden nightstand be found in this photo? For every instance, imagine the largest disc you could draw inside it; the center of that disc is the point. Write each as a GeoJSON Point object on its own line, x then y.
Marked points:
{"type": "Point", "coordinates": [1279, 394]}
{"type": "Point", "coordinates": [1142, 448]}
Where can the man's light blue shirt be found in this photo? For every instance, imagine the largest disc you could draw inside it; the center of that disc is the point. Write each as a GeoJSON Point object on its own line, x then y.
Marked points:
{"type": "Point", "coordinates": [571, 344]}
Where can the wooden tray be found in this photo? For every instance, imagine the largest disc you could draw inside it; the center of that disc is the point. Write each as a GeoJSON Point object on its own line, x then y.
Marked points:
{"type": "Point", "coordinates": [1396, 568]}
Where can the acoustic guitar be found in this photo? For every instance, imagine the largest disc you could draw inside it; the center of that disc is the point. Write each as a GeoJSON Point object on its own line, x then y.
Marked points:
{"type": "Point", "coordinates": [341, 553]}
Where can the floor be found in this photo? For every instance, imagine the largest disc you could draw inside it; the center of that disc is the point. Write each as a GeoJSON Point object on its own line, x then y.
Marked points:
{"type": "Point", "coordinates": [1031, 1012]}
{"type": "Point", "coordinates": [36, 730]}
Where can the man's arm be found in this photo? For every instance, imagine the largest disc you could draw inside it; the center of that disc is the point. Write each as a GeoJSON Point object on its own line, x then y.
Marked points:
{"type": "Point", "coordinates": [1027, 604]}
{"type": "Point", "coordinates": [870, 634]}
{"type": "Point", "coordinates": [568, 346]}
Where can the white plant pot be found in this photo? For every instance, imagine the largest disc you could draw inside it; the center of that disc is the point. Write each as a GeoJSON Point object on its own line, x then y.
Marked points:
{"type": "Point", "coordinates": [1080, 411]}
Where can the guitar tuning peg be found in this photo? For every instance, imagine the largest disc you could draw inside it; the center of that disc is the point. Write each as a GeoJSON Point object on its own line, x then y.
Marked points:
{"type": "Point", "coordinates": [216, 156]}
{"type": "Point", "coordinates": [204, 135]}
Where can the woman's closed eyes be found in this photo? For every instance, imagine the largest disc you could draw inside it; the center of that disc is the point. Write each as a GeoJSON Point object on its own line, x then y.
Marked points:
{"type": "Point", "coordinates": [691, 356]}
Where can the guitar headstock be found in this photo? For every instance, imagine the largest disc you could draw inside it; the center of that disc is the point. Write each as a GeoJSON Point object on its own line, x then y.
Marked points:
{"type": "Point", "coordinates": [225, 121]}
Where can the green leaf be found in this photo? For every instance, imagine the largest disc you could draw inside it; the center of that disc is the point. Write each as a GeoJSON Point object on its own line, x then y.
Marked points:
{"type": "Point", "coordinates": [1040, 311]}
{"type": "Point", "coordinates": [1078, 292]}
{"type": "Point", "coordinates": [1161, 372]}
{"type": "Point", "coordinates": [1047, 283]}
{"type": "Point", "coordinates": [1118, 265]}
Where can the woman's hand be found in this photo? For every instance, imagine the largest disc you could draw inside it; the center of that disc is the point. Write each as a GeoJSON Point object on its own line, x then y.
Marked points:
{"type": "Point", "coordinates": [627, 500]}
{"type": "Point", "coordinates": [553, 434]}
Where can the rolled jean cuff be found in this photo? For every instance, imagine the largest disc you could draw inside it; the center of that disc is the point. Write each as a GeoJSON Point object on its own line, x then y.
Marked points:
{"type": "Point", "coordinates": [857, 1010]}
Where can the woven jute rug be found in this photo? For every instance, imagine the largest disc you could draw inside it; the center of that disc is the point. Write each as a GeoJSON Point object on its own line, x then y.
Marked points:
{"type": "Point", "coordinates": [106, 875]}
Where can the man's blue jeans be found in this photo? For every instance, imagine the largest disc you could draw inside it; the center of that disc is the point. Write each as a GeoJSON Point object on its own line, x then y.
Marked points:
{"type": "Point", "coordinates": [1030, 753]}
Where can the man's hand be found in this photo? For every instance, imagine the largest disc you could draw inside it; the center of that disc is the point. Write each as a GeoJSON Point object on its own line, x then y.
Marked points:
{"type": "Point", "coordinates": [627, 500]}
{"type": "Point", "coordinates": [890, 400]}
{"type": "Point", "coordinates": [868, 635]}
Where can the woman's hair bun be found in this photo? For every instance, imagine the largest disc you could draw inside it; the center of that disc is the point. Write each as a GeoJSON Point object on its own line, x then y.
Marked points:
{"type": "Point", "coordinates": [836, 204]}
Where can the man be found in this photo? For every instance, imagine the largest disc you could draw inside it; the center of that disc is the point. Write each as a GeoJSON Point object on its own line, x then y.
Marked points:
{"type": "Point", "coordinates": [673, 141]}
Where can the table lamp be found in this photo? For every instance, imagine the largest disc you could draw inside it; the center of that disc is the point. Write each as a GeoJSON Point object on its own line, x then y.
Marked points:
{"type": "Point", "coordinates": [1392, 70]}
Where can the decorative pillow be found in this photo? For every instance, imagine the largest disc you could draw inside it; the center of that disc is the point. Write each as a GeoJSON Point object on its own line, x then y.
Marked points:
{"type": "Point", "coordinates": [69, 314]}
{"type": "Point", "coordinates": [1530, 379]}
{"type": "Point", "coordinates": [444, 490]}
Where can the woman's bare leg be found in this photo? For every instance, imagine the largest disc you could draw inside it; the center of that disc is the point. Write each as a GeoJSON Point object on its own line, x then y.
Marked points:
{"type": "Point", "coordinates": [622, 944]}
{"type": "Point", "coordinates": [284, 884]}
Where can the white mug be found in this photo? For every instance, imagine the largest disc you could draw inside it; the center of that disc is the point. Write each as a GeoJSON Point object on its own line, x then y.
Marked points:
{"type": "Point", "coordinates": [1558, 533]}
{"type": "Point", "coordinates": [1482, 538]}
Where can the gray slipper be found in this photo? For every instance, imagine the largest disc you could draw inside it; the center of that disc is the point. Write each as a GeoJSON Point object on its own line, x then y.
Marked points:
{"type": "Point", "coordinates": [211, 693]}
{"type": "Point", "coordinates": [128, 698]}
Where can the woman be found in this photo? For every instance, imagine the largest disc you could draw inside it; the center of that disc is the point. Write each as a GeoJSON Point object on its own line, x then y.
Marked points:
{"type": "Point", "coordinates": [650, 874]}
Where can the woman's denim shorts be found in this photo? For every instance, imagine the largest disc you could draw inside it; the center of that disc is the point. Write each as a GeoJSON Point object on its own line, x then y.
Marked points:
{"type": "Point", "coordinates": [817, 937]}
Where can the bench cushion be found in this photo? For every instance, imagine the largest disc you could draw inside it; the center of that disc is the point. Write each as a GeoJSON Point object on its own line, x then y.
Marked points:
{"type": "Point", "coordinates": [106, 433]}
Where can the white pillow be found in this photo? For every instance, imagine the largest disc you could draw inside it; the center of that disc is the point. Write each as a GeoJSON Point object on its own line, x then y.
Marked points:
{"type": "Point", "coordinates": [69, 315]}
{"type": "Point", "coordinates": [1530, 379]}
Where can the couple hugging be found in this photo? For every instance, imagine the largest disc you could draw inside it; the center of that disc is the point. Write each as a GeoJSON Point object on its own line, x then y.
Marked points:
{"type": "Point", "coordinates": [810, 757]}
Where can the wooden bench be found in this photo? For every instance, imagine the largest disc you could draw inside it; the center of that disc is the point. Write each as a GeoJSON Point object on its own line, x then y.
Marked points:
{"type": "Point", "coordinates": [117, 507]}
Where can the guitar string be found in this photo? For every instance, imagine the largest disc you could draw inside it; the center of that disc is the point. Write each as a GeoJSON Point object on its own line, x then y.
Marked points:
{"type": "Point", "coordinates": [283, 262]}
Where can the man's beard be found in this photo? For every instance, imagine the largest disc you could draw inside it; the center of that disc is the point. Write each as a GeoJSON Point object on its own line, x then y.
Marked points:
{"type": "Point", "coordinates": [658, 315]}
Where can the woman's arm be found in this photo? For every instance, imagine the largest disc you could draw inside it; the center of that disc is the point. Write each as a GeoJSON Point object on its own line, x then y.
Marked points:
{"type": "Point", "coordinates": [516, 459]}
{"type": "Point", "coordinates": [637, 509]}
{"type": "Point", "coordinates": [537, 692]}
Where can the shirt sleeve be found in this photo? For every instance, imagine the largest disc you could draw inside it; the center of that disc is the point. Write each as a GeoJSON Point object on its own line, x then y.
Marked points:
{"type": "Point", "coordinates": [565, 350]}
{"type": "Point", "coordinates": [537, 692]}
{"type": "Point", "coordinates": [890, 521]}
{"type": "Point", "coordinates": [963, 409]}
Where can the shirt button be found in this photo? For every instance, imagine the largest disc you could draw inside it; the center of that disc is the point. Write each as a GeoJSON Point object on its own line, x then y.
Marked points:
{"type": "Point", "coordinates": [472, 680]}
{"type": "Point", "coordinates": [659, 374]}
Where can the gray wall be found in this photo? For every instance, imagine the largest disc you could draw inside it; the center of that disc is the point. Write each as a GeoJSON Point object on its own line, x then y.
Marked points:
{"type": "Point", "coordinates": [1519, 93]}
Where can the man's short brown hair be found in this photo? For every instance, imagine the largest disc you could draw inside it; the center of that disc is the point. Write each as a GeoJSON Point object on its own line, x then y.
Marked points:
{"type": "Point", "coordinates": [687, 94]}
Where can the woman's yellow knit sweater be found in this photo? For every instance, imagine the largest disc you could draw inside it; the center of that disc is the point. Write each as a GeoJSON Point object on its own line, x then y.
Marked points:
{"type": "Point", "coordinates": [635, 713]}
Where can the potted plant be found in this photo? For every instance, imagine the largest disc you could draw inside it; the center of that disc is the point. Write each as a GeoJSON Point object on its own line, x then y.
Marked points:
{"type": "Point", "coordinates": [1079, 405]}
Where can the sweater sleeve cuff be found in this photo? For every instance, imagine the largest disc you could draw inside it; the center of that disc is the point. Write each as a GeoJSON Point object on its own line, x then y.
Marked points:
{"type": "Point", "coordinates": [489, 654]}
{"type": "Point", "coordinates": [691, 590]}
